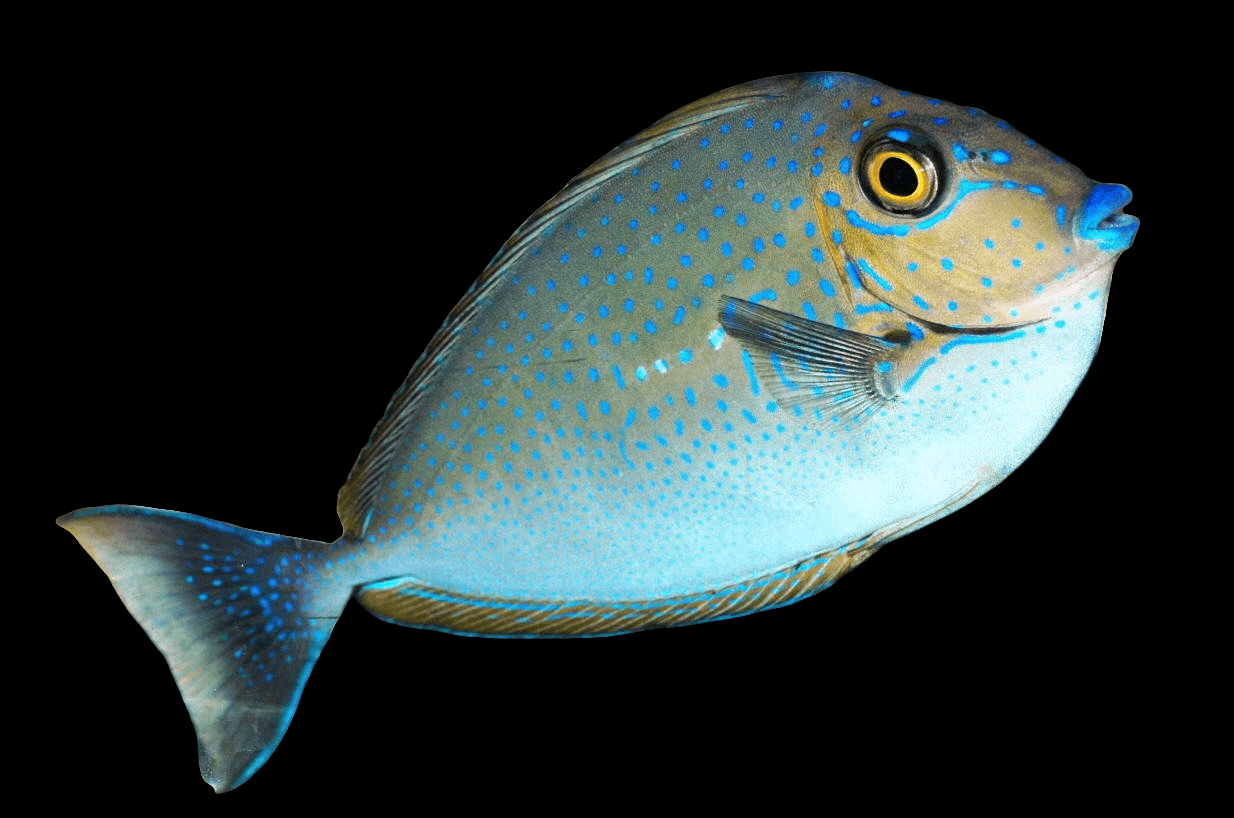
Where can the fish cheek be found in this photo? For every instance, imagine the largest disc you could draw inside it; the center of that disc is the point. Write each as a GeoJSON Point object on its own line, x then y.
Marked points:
{"type": "Point", "coordinates": [986, 263]}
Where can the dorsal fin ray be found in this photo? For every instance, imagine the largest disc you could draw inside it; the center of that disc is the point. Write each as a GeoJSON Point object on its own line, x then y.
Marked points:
{"type": "Point", "coordinates": [358, 496]}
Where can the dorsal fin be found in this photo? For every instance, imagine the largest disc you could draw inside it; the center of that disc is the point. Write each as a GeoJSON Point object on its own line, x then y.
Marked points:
{"type": "Point", "coordinates": [358, 495]}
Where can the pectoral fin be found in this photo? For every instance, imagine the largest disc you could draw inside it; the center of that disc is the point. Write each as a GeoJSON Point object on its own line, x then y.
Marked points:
{"type": "Point", "coordinates": [823, 370]}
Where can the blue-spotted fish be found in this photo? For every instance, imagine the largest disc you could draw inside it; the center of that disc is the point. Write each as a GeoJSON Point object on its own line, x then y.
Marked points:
{"type": "Point", "coordinates": [779, 328]}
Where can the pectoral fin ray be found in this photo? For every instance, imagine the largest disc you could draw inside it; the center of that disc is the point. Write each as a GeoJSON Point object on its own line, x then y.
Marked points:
{"type": "Point", "coordinates": [824, 371]}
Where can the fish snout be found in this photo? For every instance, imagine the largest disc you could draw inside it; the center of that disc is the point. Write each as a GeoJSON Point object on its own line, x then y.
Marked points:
{"type": "Point", "coordinates": [1102, 221]}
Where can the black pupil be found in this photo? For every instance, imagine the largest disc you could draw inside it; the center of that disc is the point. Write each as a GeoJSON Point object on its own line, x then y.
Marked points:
{"type": "Point", "coordinates": [897, 177]}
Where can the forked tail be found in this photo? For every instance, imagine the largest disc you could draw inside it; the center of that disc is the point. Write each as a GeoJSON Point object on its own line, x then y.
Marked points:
{"type": "Point", "coordinates": [232, 611]}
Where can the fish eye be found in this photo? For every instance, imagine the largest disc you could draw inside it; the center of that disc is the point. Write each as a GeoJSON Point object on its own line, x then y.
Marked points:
{"type": "Point", "coordinates": [899, 177]}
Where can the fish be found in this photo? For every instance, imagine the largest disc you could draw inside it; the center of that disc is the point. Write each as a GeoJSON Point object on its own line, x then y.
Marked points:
{"type": "Point", "coordinates": [777, 329]}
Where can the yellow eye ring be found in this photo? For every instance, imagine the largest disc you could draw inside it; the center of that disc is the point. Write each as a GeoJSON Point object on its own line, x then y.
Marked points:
{"type": "Point", "coordinates": [899, 178]}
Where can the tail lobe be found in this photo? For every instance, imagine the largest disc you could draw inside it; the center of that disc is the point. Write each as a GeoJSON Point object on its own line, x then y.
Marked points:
{"type": "Point", "coordinates": [232, 611]}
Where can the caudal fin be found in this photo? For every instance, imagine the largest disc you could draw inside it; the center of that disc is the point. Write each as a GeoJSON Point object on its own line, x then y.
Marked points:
{"type": "Point", "coordinates": [232, 611]}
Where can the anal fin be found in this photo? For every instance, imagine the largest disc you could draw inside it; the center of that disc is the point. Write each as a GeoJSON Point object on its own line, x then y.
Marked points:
{"type": "Point", "coordinates": [404, 601]}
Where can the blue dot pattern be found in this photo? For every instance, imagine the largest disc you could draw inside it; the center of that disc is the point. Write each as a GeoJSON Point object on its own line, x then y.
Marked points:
{"type": "Point", "coordinates": [708, 378]}
{"type": "Point", "coordinates": [591, 422]}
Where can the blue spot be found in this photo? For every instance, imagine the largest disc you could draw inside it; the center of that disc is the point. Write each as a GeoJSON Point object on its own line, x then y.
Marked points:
{"type": "Point", "coordinates": [899, 135]}
{"type": "Point", "coordinates": [686, 261]}
{"type": "Point", "coordinates": [685, 355]}
{"type": "Point", "coordinates": [831, 198]}
{"type": "Point", "coordinates": [947, 263]}
{"type": "Point", "coordinates": [846, 164]}
{"type": "Point", "coordinates": [721, 381]}
{"type": "Point", "coordinates": [792, 277]}
{"type": "Point", "coordinates": [920, 302]}
{"type": "Point", "coordinates": [1000, 157]}
{"type": "Point", "coordinates": [709, 280]}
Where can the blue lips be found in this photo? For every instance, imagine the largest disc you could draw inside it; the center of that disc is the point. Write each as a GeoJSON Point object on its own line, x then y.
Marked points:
{"type": "Point", "coordinates": [1101, 222]}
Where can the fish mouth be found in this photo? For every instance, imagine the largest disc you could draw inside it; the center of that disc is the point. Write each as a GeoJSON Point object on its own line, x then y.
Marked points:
{"type": "Point", "coordinates": [1102, 222]}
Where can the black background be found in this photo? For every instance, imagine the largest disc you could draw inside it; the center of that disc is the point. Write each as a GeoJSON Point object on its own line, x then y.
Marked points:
{"type": "Point", "coordinates": [258, 240]}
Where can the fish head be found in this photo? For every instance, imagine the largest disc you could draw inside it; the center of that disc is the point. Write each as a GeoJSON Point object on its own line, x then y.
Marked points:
{"type": "Point", "coordinates": [956, 219]}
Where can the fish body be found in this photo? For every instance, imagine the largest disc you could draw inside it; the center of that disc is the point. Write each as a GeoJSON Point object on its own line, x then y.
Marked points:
{"type": "Point", "coordinates": [772, 332]}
